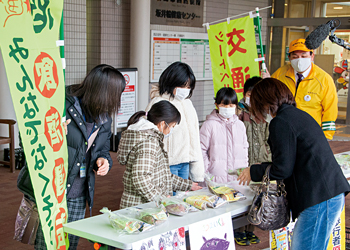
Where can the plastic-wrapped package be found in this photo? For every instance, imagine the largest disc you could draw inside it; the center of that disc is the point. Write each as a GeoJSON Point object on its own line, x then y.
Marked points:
{"type": "Point", "coordinates": [125, 224]}
{"type": "Point", "coordinates": [223, 190]}
{"type": "Point", "coordinates": [175, 206]}
{"type": "Point", "coordinates": [202, 199]}
{"type": "Point", "coordinates": [227, 193]}
{"type": "Point", "coordinates": [198, 201]}
{"type": "Point", "coordinates": [154, 216]}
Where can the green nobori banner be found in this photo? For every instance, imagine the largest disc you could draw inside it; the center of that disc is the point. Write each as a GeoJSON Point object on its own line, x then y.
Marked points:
{"type": "Point", "coordinates": [28, 34]}
{"type": "Point", "coordinates": [233, 53]}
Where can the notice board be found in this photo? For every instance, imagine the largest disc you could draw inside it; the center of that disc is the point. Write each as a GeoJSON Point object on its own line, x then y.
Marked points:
{"type": "Point", "coordinates": [191, 48]}
{"type": "Point", "coordinates": [128, 102]}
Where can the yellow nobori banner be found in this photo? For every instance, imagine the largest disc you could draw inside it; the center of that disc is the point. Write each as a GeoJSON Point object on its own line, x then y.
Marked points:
{"type": "Point", "coordinates": [233, 53]}
{"type": "Point", "coordinates": [28, 34]}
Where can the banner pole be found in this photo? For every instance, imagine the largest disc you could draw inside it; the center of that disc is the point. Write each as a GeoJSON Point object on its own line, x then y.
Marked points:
{"type": "Point", "coordinates": [263, 65]}
{"type": "Point", "coordinates": [61, 38]}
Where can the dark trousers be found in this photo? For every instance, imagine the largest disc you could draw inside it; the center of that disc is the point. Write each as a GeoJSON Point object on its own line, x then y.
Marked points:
{"type": "Point", "coordinates": [76, 211]}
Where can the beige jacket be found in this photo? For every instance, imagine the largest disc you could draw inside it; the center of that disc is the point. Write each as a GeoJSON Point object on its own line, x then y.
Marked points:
{"type": "Point", "coordinates": [184, 144]}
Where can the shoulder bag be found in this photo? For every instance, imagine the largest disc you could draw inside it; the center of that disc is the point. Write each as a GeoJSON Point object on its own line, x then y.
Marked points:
{"type": "Point", "coordinates": [269, 210]}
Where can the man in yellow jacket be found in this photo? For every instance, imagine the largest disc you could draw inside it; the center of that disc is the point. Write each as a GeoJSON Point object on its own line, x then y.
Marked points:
{"type": "Point", "coordinates": [314, 89]}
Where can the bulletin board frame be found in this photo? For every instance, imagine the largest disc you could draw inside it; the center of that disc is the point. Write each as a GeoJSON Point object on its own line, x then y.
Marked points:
{"type": "Point", "coordinates": [188, 47]}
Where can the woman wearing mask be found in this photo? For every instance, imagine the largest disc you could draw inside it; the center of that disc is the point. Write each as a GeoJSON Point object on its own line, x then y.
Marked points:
{"type": "Point", "coordinates": [141, 149]}
{"type": "Point", "coordinates": [301, 155]}
{"type": "Point", "coordinates": [176, 85]}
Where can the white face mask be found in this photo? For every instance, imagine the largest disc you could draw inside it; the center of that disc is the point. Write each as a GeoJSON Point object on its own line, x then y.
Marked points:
{"type": "Point", "coordinates": [247, 101]}
{"type": "Point", "coordinates": [171, 130]}
{"type": "Point", "coordinates": [182, 94]}
{"type": "Point", "coordinates": [227, 112]}
{"type": "Point", "coordinates": [301, 64]}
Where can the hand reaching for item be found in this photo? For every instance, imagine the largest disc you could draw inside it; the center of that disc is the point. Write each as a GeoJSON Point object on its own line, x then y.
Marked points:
{"type": "Point", "coordinates": [244, 178]}
{"type": "Point", "coordinates": [195, 186]}
{"type": "Point", "coordinates": [65, 125]}
{"type": "Point", "coordinates": [103, 166]}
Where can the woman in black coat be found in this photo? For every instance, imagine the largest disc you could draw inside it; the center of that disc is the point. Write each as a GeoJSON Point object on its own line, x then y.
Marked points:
{"type": "Point", "coordinates": [301, 155]}
{"type": "Point", "coordinates": [89, 107]}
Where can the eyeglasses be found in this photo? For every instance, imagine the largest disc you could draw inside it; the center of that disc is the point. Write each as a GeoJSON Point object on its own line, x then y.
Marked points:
{"type": "Point", "coordinates": [168, 125]}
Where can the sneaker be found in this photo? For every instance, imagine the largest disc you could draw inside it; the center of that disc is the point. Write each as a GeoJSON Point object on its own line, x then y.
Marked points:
{"type": "Point", "coordinates": [241, 239]}
{"type": "Point", "coordinates": [252, 238]}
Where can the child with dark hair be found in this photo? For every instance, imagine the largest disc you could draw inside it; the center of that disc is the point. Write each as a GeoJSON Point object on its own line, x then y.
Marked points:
{"type": "Point", "coordinates": [223, 139]}
{"type": "Point", "coordinates": [176, 85]}
{"type": "Point", "coordinates": [141, 149]}
{"type": "Point", "coordinates": [247, 90]}
{"type": "Point", "coordinates": [257, 131]}
{"type": "Point", "coordinates": [224, 146]}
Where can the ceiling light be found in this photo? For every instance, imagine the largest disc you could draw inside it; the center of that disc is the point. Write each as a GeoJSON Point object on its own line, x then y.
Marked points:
{"type": "Point", "coordinates": [338, 8]}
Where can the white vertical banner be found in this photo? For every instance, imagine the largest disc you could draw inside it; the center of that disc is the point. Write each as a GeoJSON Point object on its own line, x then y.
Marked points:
{"type": "Point", "coordinates": [213, 233]}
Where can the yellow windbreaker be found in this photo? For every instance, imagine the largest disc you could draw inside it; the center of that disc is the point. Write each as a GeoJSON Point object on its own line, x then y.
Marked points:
{"type": "Point", "coordinates": [316, 95]}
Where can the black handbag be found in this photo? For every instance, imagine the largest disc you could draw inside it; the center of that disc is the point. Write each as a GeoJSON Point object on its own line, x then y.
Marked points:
{"type": "Point", "coordinates": [269, 210]}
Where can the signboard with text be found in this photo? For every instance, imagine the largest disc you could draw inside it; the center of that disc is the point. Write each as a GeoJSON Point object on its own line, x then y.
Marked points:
{"type": "Point", "coordinates": [233, 53]}
{"type": "Point", "coordinates": [177, 12]}
{"type": "Point", "coordinates": [128, 104]}
{"type": "Point", "coordinates": [28, 35]}
{"type": "Point", "coordinates": [191, 48]}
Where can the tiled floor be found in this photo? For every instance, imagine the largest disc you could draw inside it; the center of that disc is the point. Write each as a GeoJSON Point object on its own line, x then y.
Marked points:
{"type": "Point", "coordinates": [108, 192]}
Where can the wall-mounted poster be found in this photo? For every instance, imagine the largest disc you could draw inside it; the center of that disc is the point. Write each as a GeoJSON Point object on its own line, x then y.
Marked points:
{"type": "Point", "coordinates": [191, 48]}
{"type": "Point", "coordinates": [128, 102]}
{"type": "Point", "coordinates": [177, 12]}
{"type": "Point", "coordinates": [212, 234]}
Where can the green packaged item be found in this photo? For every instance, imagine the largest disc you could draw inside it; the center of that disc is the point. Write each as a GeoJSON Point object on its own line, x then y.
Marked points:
{"type": "Point", "coordinates": [175, 206]}
{"type": "Point", "coordinates": [125, 224]}
{"type": "Point", "coordinates": [153, 216]}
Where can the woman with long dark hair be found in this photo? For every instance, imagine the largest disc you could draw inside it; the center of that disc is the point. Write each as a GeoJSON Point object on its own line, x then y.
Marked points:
{"type": "Point", "coordinates": [301, 156]}
{"type": "Point", "coordinates": [89, 107]}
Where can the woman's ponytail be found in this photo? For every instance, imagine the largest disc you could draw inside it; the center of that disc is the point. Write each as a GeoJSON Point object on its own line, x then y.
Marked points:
{"type": "Point", "coordinates": [136, 117]}
{"type": "Point", "coordinates": [160, 111]}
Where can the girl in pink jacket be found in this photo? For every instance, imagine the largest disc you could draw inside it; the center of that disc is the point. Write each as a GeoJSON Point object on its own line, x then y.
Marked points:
{"type": "Point", "coordinates": [223, 138]}
{"type": "Point", "coordinates": [224, 146]}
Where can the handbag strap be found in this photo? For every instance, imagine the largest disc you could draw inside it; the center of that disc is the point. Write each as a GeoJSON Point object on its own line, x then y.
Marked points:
{"type": "Point", "coordinates": [266, 178]}
{"type": "Point", "coordinates": [266, 182]}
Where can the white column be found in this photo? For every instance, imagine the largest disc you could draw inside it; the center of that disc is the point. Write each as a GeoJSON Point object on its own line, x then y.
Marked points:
{"type": "Point", "coordinates": [6, 107]}
{"type": "Point", "coordinates": [140, 46]}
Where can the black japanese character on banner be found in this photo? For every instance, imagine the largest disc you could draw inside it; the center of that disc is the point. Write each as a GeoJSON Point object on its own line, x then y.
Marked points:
{"type": "Point", "coordinates": [31, 127]}
{"type": "Point", "coordinates": [41, 14]}
{"type": "Point", "coordinates": [39, 163]}
{"type": "Point", "coordinates": [25, 79]}
{"type": "Point", "coordinates": [30, 112]}
{"type": "Point", "coordinates": [22, 51]}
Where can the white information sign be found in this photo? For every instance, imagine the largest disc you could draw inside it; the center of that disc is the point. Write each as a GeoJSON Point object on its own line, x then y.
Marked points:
{"type": "Point", "coordinates": [174, 239]}
{"type": "Point", "coordinates": [128, 98]}
{"type": "Point", "coordinates": [191, 48]}
{"type": "Point", "coordinates": [213, 233]}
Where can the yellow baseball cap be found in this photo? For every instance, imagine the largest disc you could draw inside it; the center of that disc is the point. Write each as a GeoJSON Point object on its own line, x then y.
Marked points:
{"type": "Point", "coordinates": [298, 44]}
